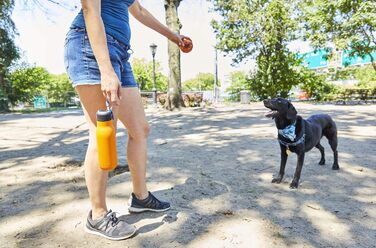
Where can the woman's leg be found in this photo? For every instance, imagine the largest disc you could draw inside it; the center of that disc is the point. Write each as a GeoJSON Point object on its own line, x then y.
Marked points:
{"type": "Point", "coordinates": [92, 100]}
{"type": "Point", "coordinates": [132, 115]}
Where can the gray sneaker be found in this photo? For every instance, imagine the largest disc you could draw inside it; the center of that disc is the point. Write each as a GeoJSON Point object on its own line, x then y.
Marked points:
{"type": "Point", "coordinates": [110, 227]}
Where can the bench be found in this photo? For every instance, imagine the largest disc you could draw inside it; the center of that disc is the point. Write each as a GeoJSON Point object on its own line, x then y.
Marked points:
{"type": "Point", "coordinates": [356, 96]}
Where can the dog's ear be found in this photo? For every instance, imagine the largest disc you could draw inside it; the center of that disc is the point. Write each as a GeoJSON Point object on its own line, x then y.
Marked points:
{"type": "Point", "coordinates": [291, 112]}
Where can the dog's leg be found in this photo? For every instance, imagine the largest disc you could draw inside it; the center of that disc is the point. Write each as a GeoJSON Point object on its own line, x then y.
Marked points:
{"type": "Point", "coordinates": [295, 181]}
{"type": "Point", "coordinates": [333, 142]}
{"type": "Point", "coordinates": [331, 134]}
{"type": "Point", "coordinates": [322, 151]}
{"type": "Point", "coordinates": [282, 166]}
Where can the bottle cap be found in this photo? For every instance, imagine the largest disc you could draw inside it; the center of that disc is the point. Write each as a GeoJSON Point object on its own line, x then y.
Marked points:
{"type": "Point", "coordinates": [104, 115]}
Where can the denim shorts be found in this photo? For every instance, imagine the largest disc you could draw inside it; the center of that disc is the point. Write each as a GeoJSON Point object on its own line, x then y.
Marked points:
{"type": "Point", "coordinates": [82, 67]}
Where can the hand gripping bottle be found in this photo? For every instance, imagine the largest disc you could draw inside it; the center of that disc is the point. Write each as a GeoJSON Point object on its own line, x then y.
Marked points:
{"type": "Point", "coordinates": [106, 139]}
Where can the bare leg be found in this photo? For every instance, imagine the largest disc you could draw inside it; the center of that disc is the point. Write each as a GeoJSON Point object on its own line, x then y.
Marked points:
{"type": "Point", "coordinates": [132, 115]}
{"type": "Point", "coordinates": [96, 179]}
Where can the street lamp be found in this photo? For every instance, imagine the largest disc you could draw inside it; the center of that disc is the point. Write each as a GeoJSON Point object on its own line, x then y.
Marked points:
{"type": "Point", "coordinates": [216, 75]}
{"type": "Point", "coordinates": [153, 48]}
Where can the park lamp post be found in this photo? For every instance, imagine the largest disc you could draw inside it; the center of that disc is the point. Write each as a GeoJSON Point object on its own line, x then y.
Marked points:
{"type": "Point", "coordinates": [153, 49]}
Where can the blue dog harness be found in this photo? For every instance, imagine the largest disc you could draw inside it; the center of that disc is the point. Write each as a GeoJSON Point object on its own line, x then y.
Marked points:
{"type": "Point", "coordinates": [289, 133]}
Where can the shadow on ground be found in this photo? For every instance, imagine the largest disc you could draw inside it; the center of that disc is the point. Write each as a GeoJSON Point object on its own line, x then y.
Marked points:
{"type": "Point", "coordinates": [215, 166]}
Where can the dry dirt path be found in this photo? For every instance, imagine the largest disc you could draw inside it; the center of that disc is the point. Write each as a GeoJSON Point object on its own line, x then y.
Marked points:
{"type": "Point", "coordinates": [214, 165]}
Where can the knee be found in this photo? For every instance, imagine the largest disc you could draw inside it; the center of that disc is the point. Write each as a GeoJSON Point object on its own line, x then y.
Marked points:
{"type": "Point", "coordinates": [141, 133]}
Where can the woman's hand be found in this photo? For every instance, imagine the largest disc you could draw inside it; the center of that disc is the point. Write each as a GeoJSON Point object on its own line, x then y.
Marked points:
{"type": "Point", "coordinates": [177, 39]}
{"type": "Point", "coordinates": [185, 43]}
{"type": "Point", "coordinates": [110, 86]}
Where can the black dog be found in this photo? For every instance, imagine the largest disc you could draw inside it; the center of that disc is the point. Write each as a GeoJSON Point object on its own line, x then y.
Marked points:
{"type": "Point", "coordinates": [300, 136]}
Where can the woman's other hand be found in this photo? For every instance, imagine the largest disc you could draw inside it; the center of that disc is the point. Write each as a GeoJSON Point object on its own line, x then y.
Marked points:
{"type": "Point", "coordinates": [110, 86]}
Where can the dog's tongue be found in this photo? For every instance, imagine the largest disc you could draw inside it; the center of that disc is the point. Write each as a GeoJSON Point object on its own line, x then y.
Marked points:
{"type": "Point", "coordinates": [269, 114]}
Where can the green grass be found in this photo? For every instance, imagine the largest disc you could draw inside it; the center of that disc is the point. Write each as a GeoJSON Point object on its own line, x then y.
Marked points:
{"type": "Point", "coordinates": [32, 110]}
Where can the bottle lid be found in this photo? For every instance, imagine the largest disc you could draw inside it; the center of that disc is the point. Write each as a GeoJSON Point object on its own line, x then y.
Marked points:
{"type": "Point", "coordinates": [104, 115]}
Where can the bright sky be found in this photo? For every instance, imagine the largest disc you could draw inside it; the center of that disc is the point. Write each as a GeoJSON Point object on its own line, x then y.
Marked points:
{"type": "Point", "coordinates": [41, 37]}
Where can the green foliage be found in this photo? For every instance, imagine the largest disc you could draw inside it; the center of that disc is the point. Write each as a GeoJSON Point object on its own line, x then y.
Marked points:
{"type": "Point", "coordinates": [30, 81]}
{"type": "Point", "coordinates": [239, 81]}
{"type": "Point", "coordinates": [250, 27]}
{"type": "Point", "coordinates": [27, 82]}
{"type": "Point", "coordinates": [276, 75]}
{"type": "Point", "coordinates": [366, 76]}
{"type": "Point", "coordinates": [349, 24]}
{"type": "Point", "coordinates": [143, 72]}
{"type": "Point", "coordinates": [203, 81]}
{"type": "Point", "coordinates": [262, 30]}
{"type": "Point", "coordinates": [8, 50]}
{"type": "Point", "coordinates": [59, 89]}
{"type": "Point", "coordinates": [315, 85]}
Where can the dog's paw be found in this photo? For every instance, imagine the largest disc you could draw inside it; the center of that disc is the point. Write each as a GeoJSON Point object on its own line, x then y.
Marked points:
{"type": "Point", "coordinates": [277, 180]}
{"type": "Point", "coordinates": [335, 167]}
{"type": "Point", "coordinates": [322, 162]}
{"type": "Point", "coordinates": [294, 185]}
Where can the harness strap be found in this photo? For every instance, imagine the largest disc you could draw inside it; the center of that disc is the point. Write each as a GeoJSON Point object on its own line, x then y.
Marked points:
{"type": "Point", "coordinates": [298, 142]}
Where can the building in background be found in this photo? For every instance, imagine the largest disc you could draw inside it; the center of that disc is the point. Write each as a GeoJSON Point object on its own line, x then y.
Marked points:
{"type": "Point", "coordinates": [322, 59]}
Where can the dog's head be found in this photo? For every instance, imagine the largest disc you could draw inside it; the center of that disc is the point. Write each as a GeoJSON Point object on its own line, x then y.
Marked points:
{"type": "Point", "coordinates": [280, 107]}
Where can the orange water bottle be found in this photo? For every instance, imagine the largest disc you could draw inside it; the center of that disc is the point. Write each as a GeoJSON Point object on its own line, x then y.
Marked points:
{"type": "Point", "coordinates": [106, 139]}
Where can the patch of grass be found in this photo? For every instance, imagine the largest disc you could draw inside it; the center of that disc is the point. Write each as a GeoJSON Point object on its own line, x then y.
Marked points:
{"type": "Point", "coordinates": [32, 110]}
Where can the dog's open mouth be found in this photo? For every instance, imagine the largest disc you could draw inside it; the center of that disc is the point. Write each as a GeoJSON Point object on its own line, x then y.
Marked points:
{"type": "Point", "coordinates": [271, 113]}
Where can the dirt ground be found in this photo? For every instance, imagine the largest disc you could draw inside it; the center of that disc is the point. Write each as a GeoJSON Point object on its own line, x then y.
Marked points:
{"type": "Point", "coordinates": [214, 165]}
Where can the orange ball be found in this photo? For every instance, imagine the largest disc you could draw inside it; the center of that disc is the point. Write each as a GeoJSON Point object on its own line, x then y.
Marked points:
{"type": "Point", "coordinates": [187, 45]}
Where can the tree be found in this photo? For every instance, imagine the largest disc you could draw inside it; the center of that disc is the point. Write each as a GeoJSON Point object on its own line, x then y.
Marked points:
{"type": "Point", "coordinates": [203, 81]}
{"type": "Point", "coordinates": [174, 99]}
{"type": "Point", "coordinates": [8, 50]}
{"type": "Point", "coordinates": [348, 24]}
{"type": "Point", "coordinates": [261, 30]}
{"type": "Point", "coordinates": [143, 72]}
{"type": "Point", "coordinates": [239, 81]}
{"type": "Point", "coordinates": [366, 77]}
{"type": "Point", "coordinates": [315, 85]}
{"type": "Point", "coordinates": [58, 89]}
{"type": "Point", "coordinates": [28, 82]}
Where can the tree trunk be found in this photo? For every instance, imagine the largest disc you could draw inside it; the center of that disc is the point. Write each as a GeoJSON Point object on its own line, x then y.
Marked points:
{"type": "Point", "coordinates": [373, 62]}
{"type": "Point", "coordinates": [174, 98]}
{"type": "Point", "coordinates": [3, 91]}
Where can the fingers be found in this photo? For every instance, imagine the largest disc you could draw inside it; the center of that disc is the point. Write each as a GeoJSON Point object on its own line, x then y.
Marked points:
{"type": "Point", "coordinates": [119, 92]}
{"type": "Point", "coordinates": [180, 40]}
{"type": "Point", "coordinates": [112, 95]}
{"type": "Point", "coordinates": [110, 86]}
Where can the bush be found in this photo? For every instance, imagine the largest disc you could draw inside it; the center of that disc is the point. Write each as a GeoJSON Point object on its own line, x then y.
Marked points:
{"type": "Point", "coordinates": [190, 99]}
{"type": "Point", "coordinates": [239, 82]}
{"type": "Point", "coordinates": [202, 81]}
{"type": "Point", "coordinates": [316, 87]}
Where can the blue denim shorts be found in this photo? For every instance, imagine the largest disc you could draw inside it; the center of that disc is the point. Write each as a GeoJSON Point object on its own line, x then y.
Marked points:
{"type": "Point", "coordinates": [82, 67]}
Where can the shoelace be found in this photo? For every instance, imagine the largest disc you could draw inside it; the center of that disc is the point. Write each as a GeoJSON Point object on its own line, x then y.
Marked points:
{"type": "Point", "coordinates": [154, 202]}
{"type": "Point", "coordinates": [112, 219]}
